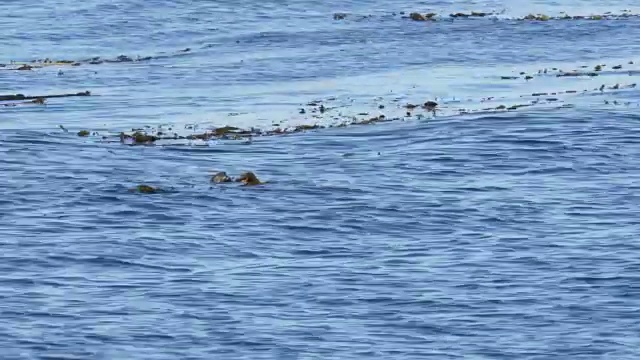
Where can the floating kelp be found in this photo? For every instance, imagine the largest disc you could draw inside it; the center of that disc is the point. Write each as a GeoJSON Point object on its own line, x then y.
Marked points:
{"type": "Point", "coordinates": [227, 132]}
{"type": "Point", "coordinates": [421, 17]}
{"type": "Point", "coordinates": [39, 63]}
{"type": "Point", "coordinates": [576, 74]}
{"type": "Point", "coordinates": [49, 62]}
{"type": "Point", "coordinates": [141, 137]}
{"type": "Point", "coordinates": [36, 64]}
{"type": "Point", "coordinates": [145, 189]}
{"type": "Point", "coordinates": [530, 17]}
{"type": "Point", "coordinates": [417, 16]}
{"type": "Point", "coordinates": [597, 70]}
{"type": "Point", "coordinates": [306, 127]}
{"type": "Point", "coordinates": [23, 67]}
{"type": "Point", "coordinates": [18, 97]}
{"type": "Point", "coordinates": [137, 138]}
{"type": "Point", "coordinates": [538, 17]}
{"type": "Point", "coordinates": [373, 120]}
{"type": "Point", "coordinates": [339, 16]}
{"type": "Point", "coordinates": [129, 59]}
{"type": "Point", "coordinates": [37, 101]}
{"type": "Point", "coordinates": [472, 14]}
{"type": "Point", "coordinates": [429, 105]}
{"type": "Point", "coordinates": [326, 115]}
{"type": "Point", "coordinates": [416, 111]}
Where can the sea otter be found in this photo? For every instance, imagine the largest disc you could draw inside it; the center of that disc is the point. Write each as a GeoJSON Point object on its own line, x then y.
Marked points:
{"type": "Point", "coordinates": [249, 178]}
{"type": "Point", "coordinates": [220, 177]}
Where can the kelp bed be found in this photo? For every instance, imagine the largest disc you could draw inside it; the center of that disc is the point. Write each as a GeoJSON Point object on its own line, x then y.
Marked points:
{"type": "Point", "coordinates": [327, 116]}
{"type": "Point", "coordinates": [325, 113]}
{"type": "Point", "coordinates": [494, 15]}
{"type": "Point", "coordinates": [403, 15]}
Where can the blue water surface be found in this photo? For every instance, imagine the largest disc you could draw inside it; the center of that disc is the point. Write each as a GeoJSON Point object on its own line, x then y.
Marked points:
{"type": "Point", "coordinates": [508, 235]}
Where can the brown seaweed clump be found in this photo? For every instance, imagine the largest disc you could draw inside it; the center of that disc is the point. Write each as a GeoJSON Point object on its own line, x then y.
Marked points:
{"type": "Point", "coordinates": [37, 101]}
{"type": "Point", "coordinates": [539, 17]}
{"type": "Point", "coordinates": [300, 128]}
{"type": "Point", "coordinates": [221, 177]}
{"type": "Point", "coordinates": [372, 120]}
{"type": "Point", "coordinates": [138, 138]}
{"type": "Point", "coordinates": [575, 74]}
{"type": "Point", "coordinates": [145, 189]}
{"type": "Point", "coordinates": [24, 97]}
{"type": "Point", "coordinates": [83, 133]}
{"type": "Point", "coordinates": [249, 179]}
{"type": "Point", "coordinates": [417, 17]}
{"type": "Point", "coordinates": [204, 136]}
{"type": "Point", "coordinates": [225, 130]}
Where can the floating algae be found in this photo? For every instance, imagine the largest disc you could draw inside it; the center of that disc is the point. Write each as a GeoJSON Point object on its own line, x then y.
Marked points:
{"type": "Point", "coordinates": [24, 97]}
{"type": "Point", "coordinates": [541, 98]}
{"type": "Point", "coordinates": [137, 138]}
{"type": "Point", "coordinates": [145, 189]}
{"type": "Point", "coordinates": [339, 16]}
{"type": "Point", "coordinates": [576, 74]}
{"type": "Point", "coordinates": [418, 16]}
{"type": "Point", "coordinates": [37, 101]}
{"type": "Point", "coordinates": [538, 17]}
{"type": "Point", "coordinates": [40, 63]}
{"type": "Point", "coordinates": [142, 137]}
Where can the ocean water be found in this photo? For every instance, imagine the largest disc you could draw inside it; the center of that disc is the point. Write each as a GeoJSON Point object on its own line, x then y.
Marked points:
{"type": "Point", "coordinates": [468, 234]}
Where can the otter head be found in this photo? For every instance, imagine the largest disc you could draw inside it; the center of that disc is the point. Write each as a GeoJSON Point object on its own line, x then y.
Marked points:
{"type": "Point", "coordinates": [249, 178]}
{"type": "Point", "coordinates": [220, 177]}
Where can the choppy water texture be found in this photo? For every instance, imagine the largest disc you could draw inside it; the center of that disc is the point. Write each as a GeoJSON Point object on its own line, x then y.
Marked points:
{"type": "Point", "coordinates": [468, 235]}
